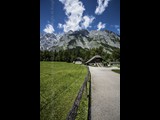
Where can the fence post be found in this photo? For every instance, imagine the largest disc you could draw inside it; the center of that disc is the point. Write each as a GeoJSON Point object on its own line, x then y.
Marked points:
{"type": "Point", "coordinates": [89, 99]}
{"type": "Point", "coordinates": [87, 81]}
{"type": "Point", "coordinates": [86, 88]}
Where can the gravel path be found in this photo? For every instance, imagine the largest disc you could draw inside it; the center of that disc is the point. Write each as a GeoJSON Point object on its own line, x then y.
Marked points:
{"type": "Point", "coordinates": [105, 94]}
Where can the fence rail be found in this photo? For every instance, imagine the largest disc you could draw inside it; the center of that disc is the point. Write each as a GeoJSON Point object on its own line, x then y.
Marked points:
{"type": "Point", "coordinates": [73, 112]}
{"type": "Point", "coordinates": [89, 101]}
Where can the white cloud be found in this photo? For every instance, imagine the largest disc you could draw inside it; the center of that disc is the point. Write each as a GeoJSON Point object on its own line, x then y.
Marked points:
{"type": "Point", "coordinates": [117, 28]}
{"type": "Point", "coordinates": [87, 20]}
{"type": "Point", "coordinates": [60, 25]}
{"type": "Point", "coordinates": [63, 1]}
{"type": "Point", "coordinates": [49, 28]}
{"type": "Point", "coordinates": [100, 26]}
{"type": "Point", "coordinates": [74, 11]}
{"type": "Point", "coordinates": [102, 4]}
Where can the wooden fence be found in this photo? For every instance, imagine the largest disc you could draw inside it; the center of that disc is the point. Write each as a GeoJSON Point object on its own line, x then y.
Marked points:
{"type": "Point", "coordinates": [89, 102]}
{"type": "Point", "coordinates": [73, 112]}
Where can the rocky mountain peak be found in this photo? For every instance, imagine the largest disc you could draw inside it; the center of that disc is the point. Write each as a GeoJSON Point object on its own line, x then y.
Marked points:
{"type": "Point", "coordinates": [81, 38]}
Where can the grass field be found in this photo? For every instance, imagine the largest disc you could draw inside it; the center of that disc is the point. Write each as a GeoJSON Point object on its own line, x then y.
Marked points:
{"type": "Point", "coordinates": [115, 70]}
{"type": "Point", "coordinates": [59, 85]}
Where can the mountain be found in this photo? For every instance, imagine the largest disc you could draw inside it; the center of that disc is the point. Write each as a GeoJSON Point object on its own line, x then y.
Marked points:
{"type": "Point", "coordinates": [82, 38]}
{"type": "Point", "coordinates": [47, 41]}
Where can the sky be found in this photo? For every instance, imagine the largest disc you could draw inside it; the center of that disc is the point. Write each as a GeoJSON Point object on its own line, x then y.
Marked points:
{"type": "Point", "coordinates": [60, 16]}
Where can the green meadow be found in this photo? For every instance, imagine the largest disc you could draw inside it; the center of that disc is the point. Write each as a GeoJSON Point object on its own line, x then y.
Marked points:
{"type": "Point", "coordinates": [60, 83]}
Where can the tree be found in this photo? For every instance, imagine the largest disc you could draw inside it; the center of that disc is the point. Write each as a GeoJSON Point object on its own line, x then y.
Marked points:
{"type": "Point", "coordinates": [116, 55]}
{"type": "Point", "coordinates": [41, 56]}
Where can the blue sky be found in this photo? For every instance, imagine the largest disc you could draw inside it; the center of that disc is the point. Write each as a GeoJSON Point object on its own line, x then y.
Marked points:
{"type": "Point", "coordinates": [60, 16]}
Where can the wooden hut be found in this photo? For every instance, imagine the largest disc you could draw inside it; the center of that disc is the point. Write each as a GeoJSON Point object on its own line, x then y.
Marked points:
{"type": "Point", "coordinates": [78, 60]}
{"type": "Point", "coordinates": [94, 60]}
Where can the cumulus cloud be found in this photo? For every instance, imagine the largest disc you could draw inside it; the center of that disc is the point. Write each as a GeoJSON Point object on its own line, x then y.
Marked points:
{"type": "Point", "coordinates": [74, 11]}
{"type": "Point", "coordinates": [63, 1]}
{"type": "Point", "coordinates": [49, 28]}
{"type": "Point", "coordinates": [102, 4]}
{"type": "Point", "coordinates": [87, 20]}
{"type": "Point", "coordinates": [100, 26]}
{"type": "Point", "coordinates": [117, 28]}
{"type": "Point", "coordinates": [60, 25]}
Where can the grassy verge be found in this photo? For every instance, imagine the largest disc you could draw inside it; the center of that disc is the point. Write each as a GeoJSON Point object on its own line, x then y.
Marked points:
{"type": "Point", "coordinates": [115, 70]}
{"type": "Point", "coordinates": [59, 86]}
{"type": "Point", "coordinates": [82, 112]}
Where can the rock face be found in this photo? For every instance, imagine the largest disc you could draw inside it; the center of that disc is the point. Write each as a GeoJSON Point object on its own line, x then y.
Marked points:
{"type": "Point", "coordinates": [82, 38]}
{"type": "Point", "coordinates": [47, 41]}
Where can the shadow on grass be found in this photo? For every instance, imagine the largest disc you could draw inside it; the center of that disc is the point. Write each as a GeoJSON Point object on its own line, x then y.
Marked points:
{"type": "Point", "coordinates": [115, 70]}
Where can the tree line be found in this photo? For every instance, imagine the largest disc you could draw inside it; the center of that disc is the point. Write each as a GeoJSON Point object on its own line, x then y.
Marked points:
{"type": "Point", "coordinates": [70, 55]}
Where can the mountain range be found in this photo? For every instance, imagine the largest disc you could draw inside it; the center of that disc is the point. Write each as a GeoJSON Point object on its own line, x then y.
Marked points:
{"type": "Point", "coordinates": [83, 38]}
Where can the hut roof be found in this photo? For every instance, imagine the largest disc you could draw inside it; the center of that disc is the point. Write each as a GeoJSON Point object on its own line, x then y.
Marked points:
{"type": "Point", "coordinates": [114, 62]}
{"type": "Point", "coordinates": [96, 56]}
{"type": "Point", "coordinates": [79, 58]}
